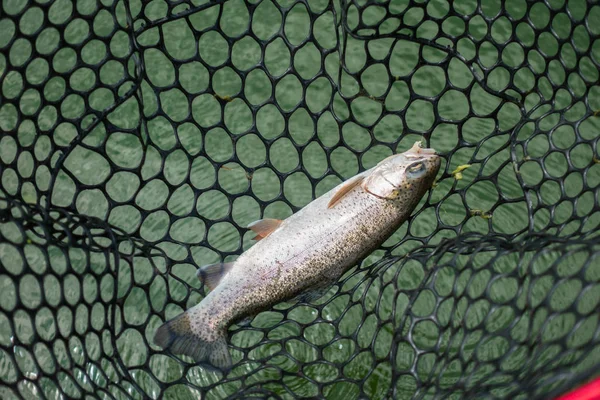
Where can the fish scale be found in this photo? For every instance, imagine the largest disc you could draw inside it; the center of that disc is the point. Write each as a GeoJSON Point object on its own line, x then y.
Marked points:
{"type": "Point", "coordinates": [308, 251]}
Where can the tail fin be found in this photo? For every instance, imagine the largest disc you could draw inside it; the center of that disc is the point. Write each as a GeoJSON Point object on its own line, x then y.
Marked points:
{"type": "Point", "coordinates": [207, 347]}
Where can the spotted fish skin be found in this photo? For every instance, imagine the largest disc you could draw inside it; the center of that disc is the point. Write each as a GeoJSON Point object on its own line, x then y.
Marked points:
{"type": "Point", "coordinates": [309, 250]}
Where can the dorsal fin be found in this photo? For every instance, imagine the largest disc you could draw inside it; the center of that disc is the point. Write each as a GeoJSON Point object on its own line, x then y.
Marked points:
{"type": "Point", "coordinates": [264, 227]}
{"type": "Point", "coordinates": [211, 274]}
{"type": "Point", "coordinates": [346, 187]}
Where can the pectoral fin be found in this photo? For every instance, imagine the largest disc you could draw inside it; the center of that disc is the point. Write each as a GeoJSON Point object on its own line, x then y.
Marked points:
{"type": "Point", "coordinates": [211, 274]}
{"type": "Point", "coordinates": [264, 227]}
{"type": "Point", "coordinates": [342, 191]}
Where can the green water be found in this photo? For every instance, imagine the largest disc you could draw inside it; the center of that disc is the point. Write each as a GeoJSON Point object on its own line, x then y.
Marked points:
{"type": "Point", "coordinates": [200, 184]}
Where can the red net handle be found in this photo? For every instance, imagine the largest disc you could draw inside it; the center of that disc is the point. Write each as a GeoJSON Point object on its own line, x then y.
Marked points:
{"type": "Point", "coordinates": [589, 391]}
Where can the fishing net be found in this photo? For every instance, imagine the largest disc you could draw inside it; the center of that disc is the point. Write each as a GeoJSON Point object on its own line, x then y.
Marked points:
{"type": "Point", "coordinates": [138, 140]}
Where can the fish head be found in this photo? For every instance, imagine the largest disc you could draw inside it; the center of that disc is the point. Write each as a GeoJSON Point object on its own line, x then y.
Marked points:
{"type": "Point", "coordinates": [408, 174]}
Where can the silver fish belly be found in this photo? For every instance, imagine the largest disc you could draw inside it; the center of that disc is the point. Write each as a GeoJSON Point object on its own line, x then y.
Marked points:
{"type": "Point", "coordinates": [307, 251]}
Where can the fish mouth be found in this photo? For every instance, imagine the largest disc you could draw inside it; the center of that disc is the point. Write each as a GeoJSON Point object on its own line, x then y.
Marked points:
{"type": "Point", "coordinates": [417, 151]}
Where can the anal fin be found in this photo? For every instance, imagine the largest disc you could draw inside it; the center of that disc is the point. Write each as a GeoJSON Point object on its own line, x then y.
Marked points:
{"type": "Point", "coordinates": [264, 227]}
{"type": "Point", "coordinates": [246, 321]}
{"type": "Point", "coordinates": [342, 191]}
{"type": "Point", "coordinates": [211, 274]}
{"type": "Point", "coordinates": [311, 295]}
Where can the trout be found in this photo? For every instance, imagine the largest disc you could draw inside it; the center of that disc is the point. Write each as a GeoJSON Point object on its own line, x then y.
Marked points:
{"type": "Point", "coordinates": [302, 256]}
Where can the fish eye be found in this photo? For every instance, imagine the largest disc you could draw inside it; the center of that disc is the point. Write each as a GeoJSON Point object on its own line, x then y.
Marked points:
{"type": "Point", "coordinates": [416, 170]}
{"type": "Point", "coordinates": [416, 167]}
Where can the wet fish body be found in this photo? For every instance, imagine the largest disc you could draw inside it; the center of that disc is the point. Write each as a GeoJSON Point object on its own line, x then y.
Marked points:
{"type": "Point", "coordinates": [303, 254]}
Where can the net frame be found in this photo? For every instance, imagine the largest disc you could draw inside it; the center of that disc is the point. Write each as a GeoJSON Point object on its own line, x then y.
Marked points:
{"type": "Point", "coordinates": [532, 106]}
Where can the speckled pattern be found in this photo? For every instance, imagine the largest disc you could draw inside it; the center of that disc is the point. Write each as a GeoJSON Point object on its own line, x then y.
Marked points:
{"type": "Point", "coordinates": [311, 249]}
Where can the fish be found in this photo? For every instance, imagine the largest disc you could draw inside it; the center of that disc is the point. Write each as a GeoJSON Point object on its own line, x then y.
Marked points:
{"type": "Point", "coordinates": [302, 256]}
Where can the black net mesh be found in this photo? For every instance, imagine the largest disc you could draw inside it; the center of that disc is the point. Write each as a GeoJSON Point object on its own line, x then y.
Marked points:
{"type": "Point", "coordinates": [138, 139]}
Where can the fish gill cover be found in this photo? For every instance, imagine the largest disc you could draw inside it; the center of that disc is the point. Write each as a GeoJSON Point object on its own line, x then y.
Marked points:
{"type": "Point", "coordinates": [139, 138]}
